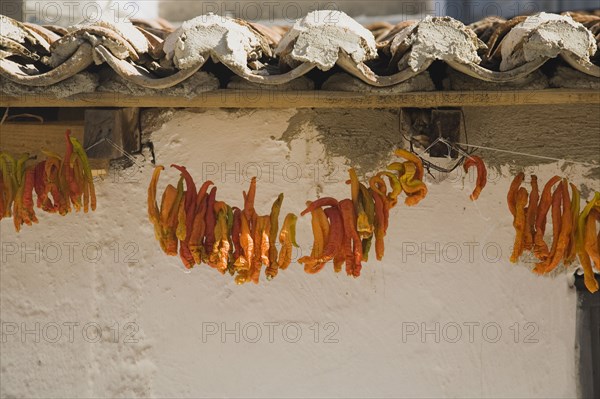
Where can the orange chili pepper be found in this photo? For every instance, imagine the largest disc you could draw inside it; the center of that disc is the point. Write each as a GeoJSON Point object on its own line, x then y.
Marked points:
{"type": "Point", "coordinates": [561, 243]}
{"type": "Point", "coordinates": [588, 272]}
{"type": "Point", "coordinates": [476, 161]}
{"type": "Point", "coordinates": [534, 198]}
{"type": "Point", "coordinates": [591, 239]}
{"type": "Point", "coordinates": [236, 231]}
{"type": "Point", "coordinates": [540, 249]}
{"type": "Point", "coordinates": [511, 198]}
{"type": "Point", "coordinates": [220, 253]}
{"type": "Point", "coordinates": [248, 210]}
{"type": "Point", "coordinates": [314, 264]}
{"type": "Point", "coordinates": [287, 238]}
{"type": "Point", "coordinates": [243, 263]}
{"type": "Point", "coordinates": [519, 224]}
{"type": "Point", "coordinates": [378, 188]}
{"type": "Point", "coordinates": [261, 240]}
{"type": "Point", "coordinates": [352, 244]}
{"type": "Point", "coordinates": [320, 228]}
{"type": "Point", "coordinates": [23, 212]}
{"type": "Point", "coordinates": [188, 207]}
{"type": "Point", "coordinates": [196, 241]}
{"type": "Point", "coordinates": [571, 252]}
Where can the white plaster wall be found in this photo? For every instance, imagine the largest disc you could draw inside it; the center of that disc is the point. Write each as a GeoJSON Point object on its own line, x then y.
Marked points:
{"type": "Point", "coordinates": [172, 310]}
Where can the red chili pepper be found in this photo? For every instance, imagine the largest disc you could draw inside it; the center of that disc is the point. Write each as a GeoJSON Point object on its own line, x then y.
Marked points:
{"type": "Point", "coordinates": [321, 202]}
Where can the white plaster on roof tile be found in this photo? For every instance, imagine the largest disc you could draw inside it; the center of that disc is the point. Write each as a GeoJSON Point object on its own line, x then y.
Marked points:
{"type": "Point", "coordinates": [10, 30]}
{"type": "Point", "coordinates": [545, 36]}
{"type": "Point", "coordinates": [318, 38]}
{"type": "Point", "coordinates": [442, 38]}
{"type": "Point", "coordinates": [221, 38]}
{"type": "Point", "coordinates": [129, 32]}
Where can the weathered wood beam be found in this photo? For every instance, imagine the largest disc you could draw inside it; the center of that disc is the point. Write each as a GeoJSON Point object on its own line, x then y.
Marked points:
{"type": "Point", "coordinates": [316, 99]}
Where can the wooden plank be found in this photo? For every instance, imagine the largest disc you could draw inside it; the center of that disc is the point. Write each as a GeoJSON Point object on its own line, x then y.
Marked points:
{"type": "Point", "coordinates": [32, 137]}
{"type": "Point", "coordinates": [316, 99]}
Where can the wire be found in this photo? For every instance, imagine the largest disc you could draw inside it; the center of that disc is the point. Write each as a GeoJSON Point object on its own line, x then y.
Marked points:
{"type": "Point", "coordinates": [526, 154]}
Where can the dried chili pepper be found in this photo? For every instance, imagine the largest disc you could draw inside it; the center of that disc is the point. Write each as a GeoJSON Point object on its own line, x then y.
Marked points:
{"type": "Point", "coordinates": [74, 187]}
{"type": "Point", "coordinates": [23, 212]}
{"type": "Point", "coordinates": [378, 188]}
{"type": "Point", "coordinates": [534, 198]}
{"type": "Point", "coordinates": [287, 238]}
{"type": "Point", "coordinates": [80, 152]}
{"type": "Point", "coordinates": [366, 233]}
{"type": "Point", "coordinates": [187, 215]}
{"type": "Point", "coordinates": [414, 188]}
{"type": "Point", "coordinates": [511, 198]}
{"type": "Point", "coordinates": [314, 265]}
{"type": "Point", "coordinates": [588, 272]}
{"type": "Point", "coordinates": [476, 161]}
{"type": "Point", "coordinates": [379, 225]}
{"type": "Point", "coordinates": [272, 269]}
{"type": "Point", "coordinates": [561, 243]}
{"type": "Point", "coordinates": [196, 241]}
{"type": "Point", "coordinates": [249, 211]}
{"type": "Point", "coordinates": [591, 245]}
{"type": "Point", "coordinates": [540, 249]}
{"type": "Point", "coordinates": [236, 231]}
{"type": "Point", "coordinates": [352, 244]}
{"type": "Point", "coordinates": [395, 185]}
{"type": "Point", "coordinates": [261, 242]}
{"type": "Point", "coordinates": [7, 168]}
{"type": "Point", "coordinates": [519, 224]}
{"type": "Point", "coordinates": [220, 253]}
{"type": "Point", "coordinates": [571, 252]}
{"type": "Point", "coordinates": [20, 215]}
{"type": "Point", "coordinates": [321, 230]}
{"type": "Point", "coordinates": [325, 201]}
{"type": "Point", "coordinates": [414, 159]}
{"type": "Point", "coordinates": [242, 264]}
{"type": "Point", "coordinates": [210, 221]}
{"type": "Point", "coordinates": [169, 210]}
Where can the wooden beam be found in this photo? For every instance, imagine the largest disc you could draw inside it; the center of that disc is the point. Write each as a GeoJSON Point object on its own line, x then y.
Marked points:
{"type": "Point", "coordinates": [316, 99]}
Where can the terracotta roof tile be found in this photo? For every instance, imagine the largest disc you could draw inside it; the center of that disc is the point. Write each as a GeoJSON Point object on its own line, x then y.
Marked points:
{"type": "Point", "coordinates": [153, 55]}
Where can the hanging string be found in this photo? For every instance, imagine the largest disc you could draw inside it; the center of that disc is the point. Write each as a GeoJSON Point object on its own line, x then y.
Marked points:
{"type": "Point", "coordinates": [523, 154]}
